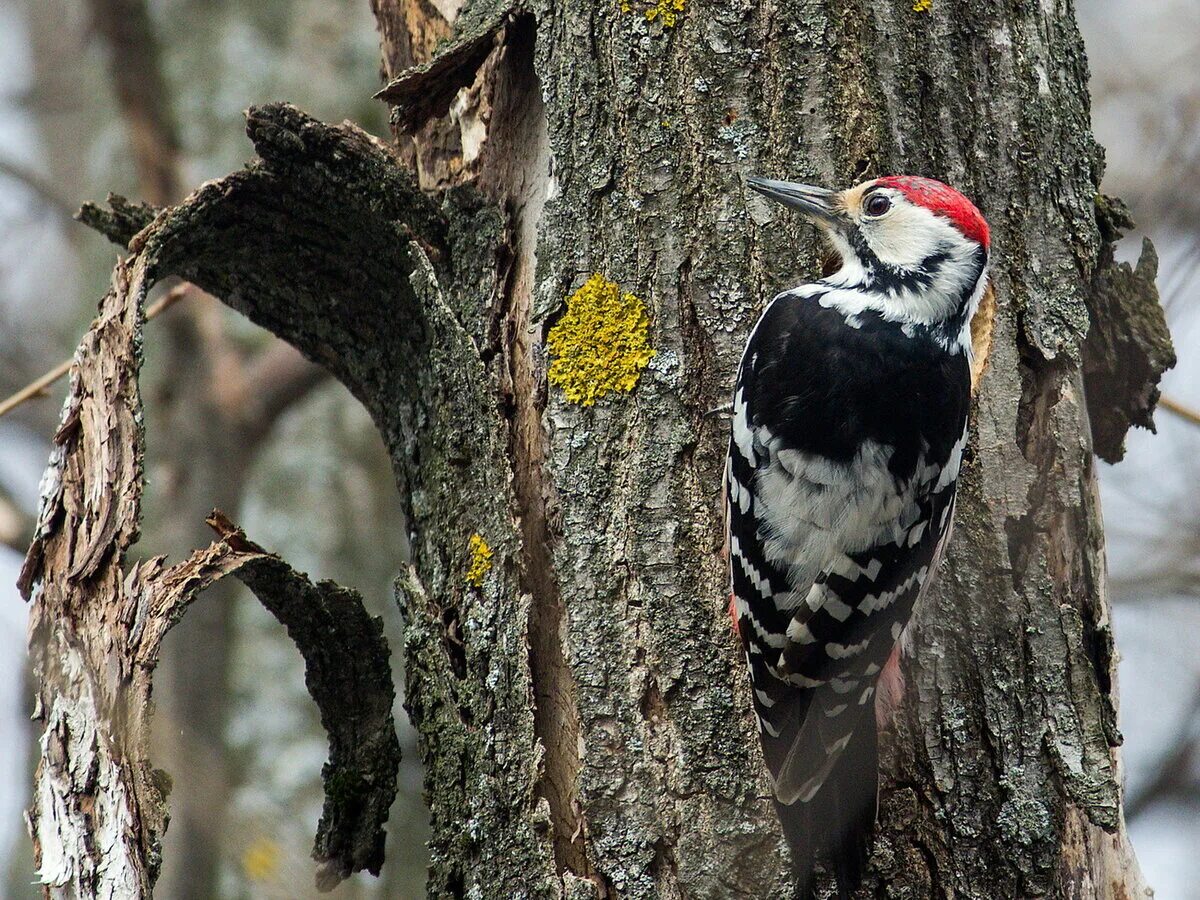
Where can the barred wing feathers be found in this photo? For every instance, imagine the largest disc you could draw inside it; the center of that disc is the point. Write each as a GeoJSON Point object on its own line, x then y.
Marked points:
{"type": "Point", "coordinates": [839, 500]}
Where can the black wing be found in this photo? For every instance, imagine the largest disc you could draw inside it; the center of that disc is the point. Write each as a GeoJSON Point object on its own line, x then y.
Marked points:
{"type": "Point", "coordinates": [813, 384]}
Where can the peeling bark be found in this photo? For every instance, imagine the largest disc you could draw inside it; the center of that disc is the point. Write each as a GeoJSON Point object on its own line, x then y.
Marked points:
{"type": "Point", "coordinates": [426, 91]}
{"type": "Point", "coordinates": [364, 254]}
{"type": "Point", "coordinates": [96, 631]}
{"type": "Point", "coordinates": [208, 425]}
{"type": "Point", "coordinates": [582, 707]}
{"type": "Point", "coordinates": [1128, 347]}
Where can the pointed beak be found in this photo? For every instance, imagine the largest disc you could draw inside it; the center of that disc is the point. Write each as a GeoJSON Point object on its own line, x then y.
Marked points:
{"type": "Point", "coordinates": [819, 204]}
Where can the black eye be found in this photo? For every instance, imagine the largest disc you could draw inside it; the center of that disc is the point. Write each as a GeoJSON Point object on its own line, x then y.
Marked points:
{"type": "Point", "coordinates": [877, 205]}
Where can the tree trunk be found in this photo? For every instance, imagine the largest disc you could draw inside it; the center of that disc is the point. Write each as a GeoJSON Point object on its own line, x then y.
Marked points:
{"type": "Point", "coordinates": [583, 710]}
{"type": "Point", "coordinates": [618, 757]}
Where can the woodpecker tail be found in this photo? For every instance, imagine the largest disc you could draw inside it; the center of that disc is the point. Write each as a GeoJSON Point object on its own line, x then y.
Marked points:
{"type": "Point", "coordinates": [833, 829]}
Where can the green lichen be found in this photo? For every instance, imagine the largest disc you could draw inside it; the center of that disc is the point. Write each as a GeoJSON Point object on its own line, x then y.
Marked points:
{"type": "Point", "coordinates": [601, 345]}
{"type": "Point", "coordinates": [481, 560]}
{"type": "Point", "coordinates": [665, 11]}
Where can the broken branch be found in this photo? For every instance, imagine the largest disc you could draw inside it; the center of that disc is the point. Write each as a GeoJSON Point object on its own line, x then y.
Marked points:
{"type": "Point", "coordinates": [96, 632]}
{"type": "Point", "coordinates": [340, 270]}
{"type": "Point", "coordinates": [1128, 346]}
{"type": "Point", "coordinates": [349, 676]}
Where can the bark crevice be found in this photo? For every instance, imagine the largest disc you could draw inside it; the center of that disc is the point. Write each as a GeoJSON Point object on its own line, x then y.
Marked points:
{"type": "Point", "coordinates": [515, 170]}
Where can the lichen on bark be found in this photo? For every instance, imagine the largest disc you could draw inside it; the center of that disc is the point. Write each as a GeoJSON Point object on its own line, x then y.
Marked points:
{"type": "Point", "coordinates": [583, 711]}
{"type": "Point", "coordinates": [1002, 765]}
{"type": "Point", "coordinates": [601, 343]}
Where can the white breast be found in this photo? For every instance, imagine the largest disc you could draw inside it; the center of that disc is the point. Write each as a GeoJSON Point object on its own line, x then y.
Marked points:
{"type": "Point", "coordinates": [813, 511]}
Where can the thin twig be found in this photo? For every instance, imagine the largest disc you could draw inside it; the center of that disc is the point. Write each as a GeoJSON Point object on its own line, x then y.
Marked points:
{"type": "Point", "coordinates": [1184, 412]}
{"type": "Point", "coordinates": [38, 388]}
{"type": "Point", "coordinates": [37, 185]}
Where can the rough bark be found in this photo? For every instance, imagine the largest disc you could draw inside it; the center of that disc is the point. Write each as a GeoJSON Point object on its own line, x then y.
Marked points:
{"type": "Point", "coordinates": [209, 411]}
{"type": "Point", "coordinates": [1001, 776]}
{"type": "Point", "coordinates": [583, 711]}
{"type": "Point", "coordinates": [96, 632]}
{"type": "Point", "coordinates": [1128, 346]}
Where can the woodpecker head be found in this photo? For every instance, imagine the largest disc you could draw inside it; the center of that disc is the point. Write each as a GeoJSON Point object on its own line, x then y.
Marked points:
{"type": "Point", "coordinates": [919, 245]}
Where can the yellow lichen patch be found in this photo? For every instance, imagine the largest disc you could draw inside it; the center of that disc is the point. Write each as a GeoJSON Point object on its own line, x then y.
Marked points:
{"type": "Point", "coordinates": [601, 344]}
{"type": "Point", "coordinates": [481, 560]}
{"type": "Point", "coordinates": [260, 859]}
{"type": "Point", "coordinates": [922, 5]}
{"type": "Point", "coordinates": [665, 11]}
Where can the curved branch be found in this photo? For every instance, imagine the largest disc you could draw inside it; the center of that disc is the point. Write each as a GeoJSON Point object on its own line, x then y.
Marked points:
{"type": "Point", "coordinates": [348, 675]}
{"type": "Point", "coordinates": [96, 631]}
{"type": "Point", "coordinates": [338, 272]}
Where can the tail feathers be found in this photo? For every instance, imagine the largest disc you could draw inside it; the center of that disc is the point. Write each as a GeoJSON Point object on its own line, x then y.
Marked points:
{"type": "Point", "coordinates": [833, 830]}
{"type": "Point", "coordinates": [854, 793]}
{"type": "Point", "coordinates": [798, 831]}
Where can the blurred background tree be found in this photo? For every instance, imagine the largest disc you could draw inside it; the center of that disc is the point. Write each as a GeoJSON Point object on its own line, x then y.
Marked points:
{"type": "Point", "coordinates": [1146, 113]}
{"type": "Point", "coordinates": [79, 118]}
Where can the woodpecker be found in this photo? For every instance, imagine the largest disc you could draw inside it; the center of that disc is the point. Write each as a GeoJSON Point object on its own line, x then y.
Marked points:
{"type": "Point", "coordinates": [849, 423]}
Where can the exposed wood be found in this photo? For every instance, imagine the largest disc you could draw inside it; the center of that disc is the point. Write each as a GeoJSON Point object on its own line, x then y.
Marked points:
{"type": "Point", "coordinates": [96, 631]}
{"type": "Point", "coordinates": [426, 91]}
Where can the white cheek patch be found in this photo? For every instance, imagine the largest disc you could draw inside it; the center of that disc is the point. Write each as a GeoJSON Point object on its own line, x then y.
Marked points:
{"type": "Point", "coordinates": [905, 239]}
{"type": "Point", "coordinates": [907, 236]}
